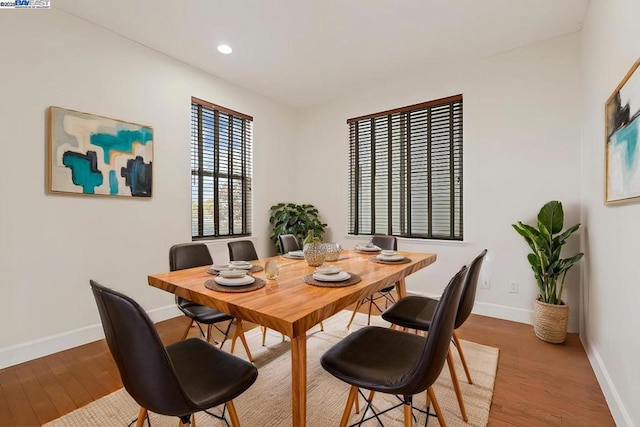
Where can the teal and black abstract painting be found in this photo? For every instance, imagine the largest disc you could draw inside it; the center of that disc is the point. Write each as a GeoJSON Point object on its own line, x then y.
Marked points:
{"type": "Point", "coordinates": [622, 152]}
{"type": "Point", "coordinates": [91, 154]}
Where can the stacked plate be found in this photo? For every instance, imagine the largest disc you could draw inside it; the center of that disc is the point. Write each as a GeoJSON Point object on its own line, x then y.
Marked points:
{"type": "Point", "coordinates": [388, 255]}
{"type": "Point", "coordinates": [240, 265]}
{"type": "Point", "coordinates": [369, 247]}
{"type": "Point", "coordinates": [234, 277]}
{"type": "Point", "coordinates": [330, 274]}
{"type": "Point", "coordinates": [234, 265]}
{"type": "Point", "coordinates": [296, 254]}
{"type": "Point", "coordinates": [242, 281]}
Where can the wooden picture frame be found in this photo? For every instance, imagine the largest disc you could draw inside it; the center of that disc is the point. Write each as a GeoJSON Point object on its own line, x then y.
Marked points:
{"type": "Point", "coordinates": [96, 155]}
{"type": "Point", "coordinates": [622, 141]}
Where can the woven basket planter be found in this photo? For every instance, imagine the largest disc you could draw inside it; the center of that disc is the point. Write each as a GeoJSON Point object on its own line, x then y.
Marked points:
{"type": "Point", "coordinates": [550, 321]}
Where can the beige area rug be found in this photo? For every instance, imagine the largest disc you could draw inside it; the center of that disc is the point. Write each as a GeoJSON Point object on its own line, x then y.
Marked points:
{"type": "Point", "coordinates": [268, 401]}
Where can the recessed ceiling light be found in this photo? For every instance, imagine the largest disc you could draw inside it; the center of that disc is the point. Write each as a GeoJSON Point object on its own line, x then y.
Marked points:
{"type": "Point", "coordinates": [226, 49]}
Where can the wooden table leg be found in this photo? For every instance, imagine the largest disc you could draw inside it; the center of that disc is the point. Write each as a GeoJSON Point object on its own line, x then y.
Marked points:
{"type": "Point", "coordinates": [401, 288]}
{"type": "Point", "coordinates": [299, 379]}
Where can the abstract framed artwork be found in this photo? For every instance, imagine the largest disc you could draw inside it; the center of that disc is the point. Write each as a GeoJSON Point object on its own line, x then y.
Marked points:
{"type": "Point", "coordinates": [95, 155]}
{"type": "Point", "coordinates": [622, 150]}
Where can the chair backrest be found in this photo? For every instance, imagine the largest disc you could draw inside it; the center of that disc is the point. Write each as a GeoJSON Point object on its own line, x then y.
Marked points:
{"type": "Point", "coordinates": [146, 370]}
{"type": "Point", "coordinates": [189, 255]}
{"type": "Point", "coordinates": [288, 243]}
{"type": "Point", "coordinates": [468, 297]}
{"type": "Point", "coordinates": [385, 242]}
{"type": "Point", "coordinates": [242, 250]}
{"type": "Point", "coordinates": [434, 352]}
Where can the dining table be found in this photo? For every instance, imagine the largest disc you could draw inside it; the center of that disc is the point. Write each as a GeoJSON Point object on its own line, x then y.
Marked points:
{"type": "Point", "coordinates": [292, 306]}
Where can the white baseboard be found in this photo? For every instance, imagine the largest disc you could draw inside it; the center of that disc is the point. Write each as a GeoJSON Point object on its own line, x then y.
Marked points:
{"type": "Point", "coordinates": [40, 347]}
{"type": "Point", "coordinates": [504, 312]}
{"type": "Point", "coordinates": [616, 406]}
{"type": "Point", "coordinates": [493, 310]}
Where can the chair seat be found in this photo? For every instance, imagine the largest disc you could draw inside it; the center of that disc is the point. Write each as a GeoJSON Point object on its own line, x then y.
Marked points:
{"type": "Point", "coordinates": [201, 313]}
{"type": "Point", "coordinates": [388, 288]}
{"type": "Point", "coordinates": [228, 377]}
{"type": "Point", "coordinates": [382, 360]}
{"type": "Point", "coordinates": [412, 312]}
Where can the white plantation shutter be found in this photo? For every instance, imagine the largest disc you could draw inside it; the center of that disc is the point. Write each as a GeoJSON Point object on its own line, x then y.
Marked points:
{"type": "Point", "coordinates": [221, 171]}
{"type": "Point", "coordinates": [405, 171]}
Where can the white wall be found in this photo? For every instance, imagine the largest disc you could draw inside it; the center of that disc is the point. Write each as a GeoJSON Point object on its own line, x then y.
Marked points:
{"type": "Point", "coordinates": [51, 245]}
{"type": "Point", "coordinates": [521, 149]}
{"type": "Point", "coordinates": [611, 292]}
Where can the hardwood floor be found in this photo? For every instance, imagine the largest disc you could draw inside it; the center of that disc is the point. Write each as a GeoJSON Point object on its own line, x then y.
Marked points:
{"type": "Point", "coordinates": [537, 384]}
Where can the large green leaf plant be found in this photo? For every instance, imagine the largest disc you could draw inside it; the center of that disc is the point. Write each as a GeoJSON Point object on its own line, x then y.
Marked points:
{"type": "Point", "coordinates": [299, 220]}
{"type": "Point", "coordinates": [546, 242]}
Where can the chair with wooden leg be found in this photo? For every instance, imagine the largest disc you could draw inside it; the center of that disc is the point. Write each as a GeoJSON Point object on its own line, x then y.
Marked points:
{"type": "Point", "coordinates": [163, 379]}
{"type": "Point", "coordinates": [244, 250]}
{"type": "Point", "coordinates": [190, 255]}
{"type": "Point", "coordinates": [383, 242]}
{"type": "Point", "coordinates": [405, 365]}
{"type": "Point", "coordinates": [415, 312]}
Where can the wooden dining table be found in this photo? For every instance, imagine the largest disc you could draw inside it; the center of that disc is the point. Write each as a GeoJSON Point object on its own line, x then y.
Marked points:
{"type": "Point", "coordinates": [291, 306]}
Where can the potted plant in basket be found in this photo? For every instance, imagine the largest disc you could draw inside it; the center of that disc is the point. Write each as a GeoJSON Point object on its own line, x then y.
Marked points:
{"type": "Point", "coordinates": [550, 314]}
{"type": "Point", "coordinates": [291, 218]}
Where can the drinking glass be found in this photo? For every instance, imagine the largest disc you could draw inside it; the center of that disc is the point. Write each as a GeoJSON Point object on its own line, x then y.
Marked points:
{"type": "Point", "coordinates": [271, 269]}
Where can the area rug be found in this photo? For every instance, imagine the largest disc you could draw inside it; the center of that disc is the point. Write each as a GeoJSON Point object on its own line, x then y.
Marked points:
{"type": "Point", "coordinates": [268, 402]}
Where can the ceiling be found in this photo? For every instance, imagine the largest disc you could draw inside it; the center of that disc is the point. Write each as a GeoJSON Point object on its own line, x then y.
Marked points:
{"type": "Point", "coordinates": [305, 52]}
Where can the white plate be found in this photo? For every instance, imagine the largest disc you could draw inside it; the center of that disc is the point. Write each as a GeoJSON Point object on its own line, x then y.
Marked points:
{"type": "Point", "coordinates": [239, 263]}
{"type": "Point", "coordinates": [233, 273]}
{"type": "Point", "coordinates": [367, 248]}
{"type": "Point", "coordinates": [240, 266]}
{"type": "Point", "coordinates": [390, 257]}
{"type": "Point", "coordinates": [342, 276]}
{"type": "Point", "coordinates": [243, 281]}
{"type": "Point", "coordinates": [296, 254]}
{"type": "Point", "coordinates": [328, 270]}
{"type": "Point", "coordinates": [388, 252]}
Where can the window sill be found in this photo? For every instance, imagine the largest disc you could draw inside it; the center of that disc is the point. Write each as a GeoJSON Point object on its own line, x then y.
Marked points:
{"type": "Point", "coordinates": [406, 240]}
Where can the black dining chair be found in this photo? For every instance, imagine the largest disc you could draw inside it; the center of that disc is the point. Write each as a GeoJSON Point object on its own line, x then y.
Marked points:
{"type": "Point", "coordinates": [383, 242]}
{"type": "Point", "coordinates": [242, 250]}
{"type": "Point", "coordinates": [406, 364]}
{"type": "Point", "coordinates": [415, 312]}
{"type": "Point", "coordinates": [177, 380]}
{"type": "Point", "coordinates": [190, 255]}
{"type": "Point", "coordinates": [288, 243]}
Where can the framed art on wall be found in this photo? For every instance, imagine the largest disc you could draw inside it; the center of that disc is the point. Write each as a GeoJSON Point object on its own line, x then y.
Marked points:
{"type": "Point", "coordinates": [97, 155]}
{"type": "Point", "coordinates": [622, 153]}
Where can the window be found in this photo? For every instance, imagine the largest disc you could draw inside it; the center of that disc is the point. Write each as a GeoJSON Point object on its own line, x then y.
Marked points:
{"type": "Point", "coordinates": [221, 168]}
{"type": "Point", "coordinates": [405, 171]}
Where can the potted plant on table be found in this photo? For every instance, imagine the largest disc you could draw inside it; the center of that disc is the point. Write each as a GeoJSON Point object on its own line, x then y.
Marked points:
{"type": "Point", "coordinates": [550, 314]}
{"type": "Point", "coordinates": [291, 218]}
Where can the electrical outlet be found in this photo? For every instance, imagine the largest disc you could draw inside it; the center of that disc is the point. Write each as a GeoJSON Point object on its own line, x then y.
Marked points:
{"type": "Point", "coordinates": [513, 287]}
{"type": "Point", "coordinates": [486, 284]}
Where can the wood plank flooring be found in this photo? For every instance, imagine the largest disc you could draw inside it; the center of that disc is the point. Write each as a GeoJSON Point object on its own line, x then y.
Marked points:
{"type": "Point", "coordinates": [537, 384]}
